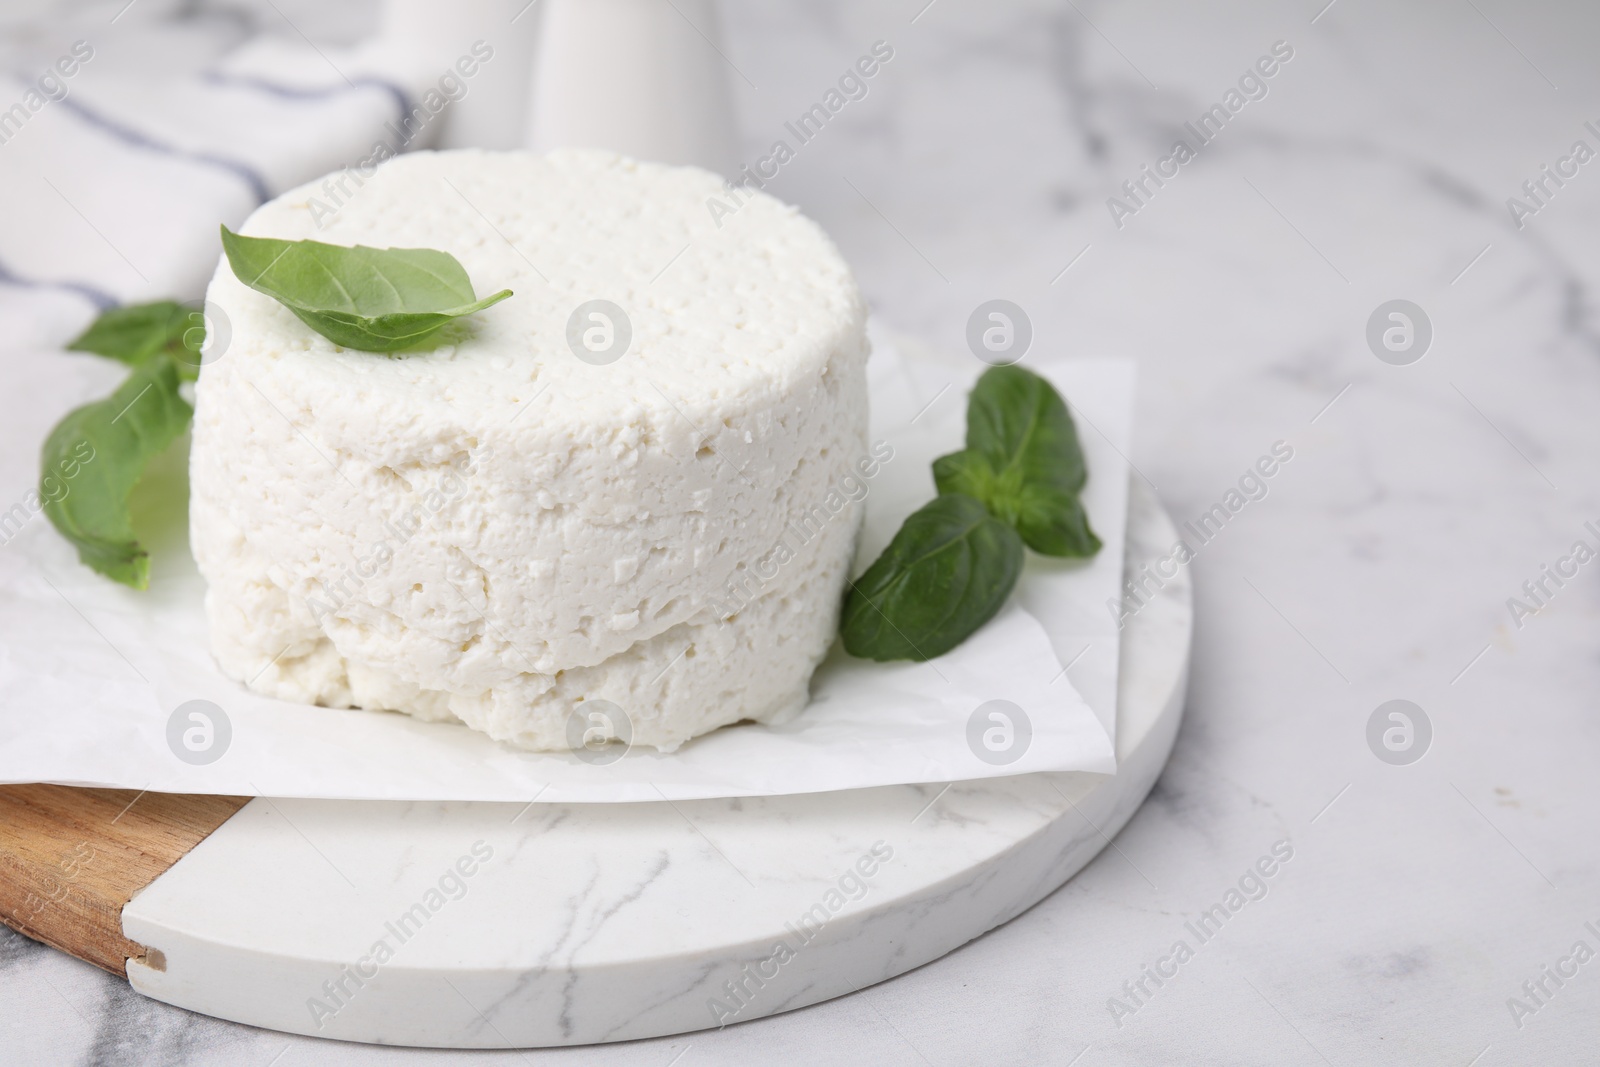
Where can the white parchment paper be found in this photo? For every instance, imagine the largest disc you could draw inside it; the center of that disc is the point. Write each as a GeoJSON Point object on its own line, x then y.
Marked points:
{"type": "Point", "coordinates": [94, 678]}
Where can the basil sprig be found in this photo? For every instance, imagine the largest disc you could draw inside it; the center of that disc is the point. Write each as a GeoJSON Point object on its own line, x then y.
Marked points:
{"type": "Point", "coordinates": [954, 562]}
{"type": "Point", "coordinates": [96, 455]}
{"type": "Point", "coordinates": [372, 299]}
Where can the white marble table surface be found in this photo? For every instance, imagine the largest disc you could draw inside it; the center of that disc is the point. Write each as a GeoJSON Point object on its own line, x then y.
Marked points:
{"type": "Point", "coordinates": [1420, 898]}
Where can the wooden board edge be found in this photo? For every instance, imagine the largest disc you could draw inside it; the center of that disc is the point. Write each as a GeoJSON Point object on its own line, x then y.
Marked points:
{"type": "Point", "coordinates": [71, 857]}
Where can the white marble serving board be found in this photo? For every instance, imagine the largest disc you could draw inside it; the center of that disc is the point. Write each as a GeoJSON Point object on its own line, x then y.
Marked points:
{"type": "Point", "coordinates": [508, 925]}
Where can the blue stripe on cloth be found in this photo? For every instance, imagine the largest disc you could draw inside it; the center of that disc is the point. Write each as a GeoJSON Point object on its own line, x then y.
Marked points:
{"type": "Point", "coordinates": [99, 297]}
{"type": "Point", "coordinates": [129, 135]}
{"type": "Point", "coordinates": [402, 99]}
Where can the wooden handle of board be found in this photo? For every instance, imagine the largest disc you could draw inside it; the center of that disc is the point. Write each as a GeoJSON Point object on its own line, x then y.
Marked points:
{"type": "Point", "coordinates": [70, 858]}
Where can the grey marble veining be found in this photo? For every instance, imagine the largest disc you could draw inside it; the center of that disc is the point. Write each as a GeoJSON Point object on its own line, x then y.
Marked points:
{"type": "Point", "coordinates": [1420, 898]}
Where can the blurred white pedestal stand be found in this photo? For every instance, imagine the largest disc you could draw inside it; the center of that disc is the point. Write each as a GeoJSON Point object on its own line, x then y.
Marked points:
{"type": "Point", "coordinates": [641, 77]}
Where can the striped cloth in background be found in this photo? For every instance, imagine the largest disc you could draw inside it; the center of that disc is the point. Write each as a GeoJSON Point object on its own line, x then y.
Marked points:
{"type": "Point", "coordinates": [119, 158]}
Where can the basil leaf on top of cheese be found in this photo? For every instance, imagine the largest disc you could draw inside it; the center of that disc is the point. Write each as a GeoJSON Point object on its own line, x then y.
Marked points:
{"type": "Point", "coordinates": [371, 299]}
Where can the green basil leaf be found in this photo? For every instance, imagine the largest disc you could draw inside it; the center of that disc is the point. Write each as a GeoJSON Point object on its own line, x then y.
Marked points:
{"type": "Point", "coordinates": [1023, 462]}
{"type": "Point", "coordinates": [133, 335]}
{"type": "Point", "coordinates": [372, 299]}
{"type": "Point", "coordinates": [95, 456]}
{"type": "Point", "coordinates": [1052, 522]}
{"type": "Point", "coordinates": [947, 571]}
{"type": "Point", "coordinates": [1018, 421]}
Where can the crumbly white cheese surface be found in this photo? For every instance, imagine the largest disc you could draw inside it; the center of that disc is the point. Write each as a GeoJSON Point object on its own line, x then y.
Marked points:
{"type": "Point", "coordinates": [495, 530]}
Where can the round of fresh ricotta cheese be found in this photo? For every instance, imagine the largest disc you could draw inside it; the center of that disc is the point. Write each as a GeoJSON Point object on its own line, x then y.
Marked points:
{"type": "Point", "coordinates": [635, 482]}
